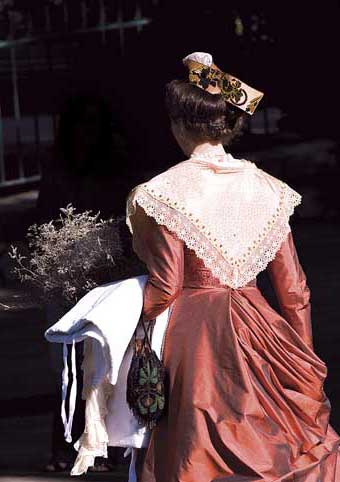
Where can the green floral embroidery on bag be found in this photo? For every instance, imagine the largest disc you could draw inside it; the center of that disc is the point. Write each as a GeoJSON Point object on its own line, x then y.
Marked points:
{"type": "Point", "coordinates": [145, 393]}
{"type": "Point", "coordinates": [147, 375]}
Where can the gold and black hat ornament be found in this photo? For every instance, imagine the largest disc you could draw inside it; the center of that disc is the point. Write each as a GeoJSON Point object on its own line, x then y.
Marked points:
{"type": "Point", "coordinates": [205, 74]}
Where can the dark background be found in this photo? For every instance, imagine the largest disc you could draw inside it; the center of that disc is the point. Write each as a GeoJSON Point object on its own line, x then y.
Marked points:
{"type": "Point", "coordinates": [125, 52]}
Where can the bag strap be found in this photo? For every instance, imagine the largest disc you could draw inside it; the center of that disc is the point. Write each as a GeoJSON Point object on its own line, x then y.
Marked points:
{"type": "Point", "coordinates": [147, 337]}
{"type": "Point", "coordinates": [148, 331]}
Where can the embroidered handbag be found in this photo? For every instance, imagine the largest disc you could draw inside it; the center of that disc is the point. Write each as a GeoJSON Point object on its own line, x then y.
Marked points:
{"type": "Point", "coordinates": [145, 392]}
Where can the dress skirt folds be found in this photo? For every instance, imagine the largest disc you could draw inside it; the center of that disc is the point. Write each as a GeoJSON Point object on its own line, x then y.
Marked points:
{"type": "Point", "coordinates": [246, 400]}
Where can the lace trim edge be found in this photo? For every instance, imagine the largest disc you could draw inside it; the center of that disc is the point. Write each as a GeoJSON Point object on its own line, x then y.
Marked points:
{"type": "Point", "coordinates": [233, 273]}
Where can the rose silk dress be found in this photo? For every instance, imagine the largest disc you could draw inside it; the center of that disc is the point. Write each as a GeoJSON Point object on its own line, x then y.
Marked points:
{"type": "Point", "coordinates": [246, 400]}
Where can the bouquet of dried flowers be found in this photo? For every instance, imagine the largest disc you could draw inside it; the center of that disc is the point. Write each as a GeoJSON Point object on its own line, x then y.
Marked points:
{"type": "Point", "coordinates": [72, 255]}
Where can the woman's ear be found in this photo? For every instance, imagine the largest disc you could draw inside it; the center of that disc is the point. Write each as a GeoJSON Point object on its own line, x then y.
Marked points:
{"type": "Point", "coordinates": [174, 129]}
{"type": "Point", "coordinates": [177, 132]}
{"type": "Point", "coordinates": [182, 137]}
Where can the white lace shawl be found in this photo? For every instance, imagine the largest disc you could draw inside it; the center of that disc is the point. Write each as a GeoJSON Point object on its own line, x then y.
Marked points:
{"type": "Point", "coordinates": [234, 215]}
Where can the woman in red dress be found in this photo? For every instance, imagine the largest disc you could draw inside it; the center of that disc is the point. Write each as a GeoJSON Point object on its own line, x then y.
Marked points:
{"type": "Point", "coordinates": [246, 400]}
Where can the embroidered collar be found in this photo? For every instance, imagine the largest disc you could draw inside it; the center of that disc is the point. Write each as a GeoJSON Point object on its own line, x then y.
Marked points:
{"type": "Point", "coordinates": [234, 218]}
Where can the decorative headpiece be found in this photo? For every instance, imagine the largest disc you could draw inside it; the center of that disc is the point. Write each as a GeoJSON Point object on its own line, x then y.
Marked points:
{"type": "Point", "coordinates": [206, 75]}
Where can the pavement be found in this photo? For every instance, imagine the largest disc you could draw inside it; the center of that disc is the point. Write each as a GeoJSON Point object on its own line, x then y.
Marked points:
{"type": "Point", "coordinates": [118, 475]}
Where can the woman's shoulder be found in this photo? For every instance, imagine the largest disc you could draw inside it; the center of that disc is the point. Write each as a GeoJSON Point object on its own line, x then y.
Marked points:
{"type": "Point", "coordinates": [164, 175]}
{"type": "Point", "coordinates": [277, 190]}
{"type": "Point", "coordinates": [276, 181]}
{"type": "Point", "coordinates": [187, 176]}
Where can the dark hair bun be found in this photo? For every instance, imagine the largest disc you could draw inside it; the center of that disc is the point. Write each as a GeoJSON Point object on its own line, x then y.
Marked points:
{"type": "Point", "coordinates": [207, 117]}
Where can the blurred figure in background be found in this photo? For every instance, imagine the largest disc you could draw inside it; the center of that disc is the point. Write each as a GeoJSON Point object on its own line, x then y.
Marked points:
{"type": "Point", "coordinates": [88, 168]}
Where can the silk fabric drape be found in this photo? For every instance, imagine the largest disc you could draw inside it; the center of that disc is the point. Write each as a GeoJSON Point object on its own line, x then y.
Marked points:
{"type": "Point", "coordinates": [246, 400]}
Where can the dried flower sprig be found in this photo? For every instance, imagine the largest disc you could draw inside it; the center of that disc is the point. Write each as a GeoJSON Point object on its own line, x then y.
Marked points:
{"type": "Point", "coordinates": [72, 255]}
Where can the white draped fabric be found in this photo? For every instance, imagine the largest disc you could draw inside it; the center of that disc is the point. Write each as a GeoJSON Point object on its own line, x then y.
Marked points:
{"type": "Point", "coordinates": [106, 319]}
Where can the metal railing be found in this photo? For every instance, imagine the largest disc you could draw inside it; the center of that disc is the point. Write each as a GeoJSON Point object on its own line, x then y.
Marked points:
{"type": "Point", "coordinates": [17, 60]}
{"type": "Point", "coordinates": [23, 31]}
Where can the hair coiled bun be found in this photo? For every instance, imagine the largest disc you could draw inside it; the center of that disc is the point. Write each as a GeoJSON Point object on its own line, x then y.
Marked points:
{"type": "Point", "coordinates": [206, 117]}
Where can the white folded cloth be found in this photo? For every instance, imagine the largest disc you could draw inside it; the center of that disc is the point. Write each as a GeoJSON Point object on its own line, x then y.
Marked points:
{"type": "Point", "coordinates": [106, 318]}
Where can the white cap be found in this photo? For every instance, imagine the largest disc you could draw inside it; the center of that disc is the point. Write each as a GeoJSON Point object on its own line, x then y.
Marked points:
{"type": "Point", "coordinates": [201, 57]}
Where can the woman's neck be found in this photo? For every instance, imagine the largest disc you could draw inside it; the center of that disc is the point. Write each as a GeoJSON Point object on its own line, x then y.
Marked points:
{"type": "Point", "coordinates": [208, 149]}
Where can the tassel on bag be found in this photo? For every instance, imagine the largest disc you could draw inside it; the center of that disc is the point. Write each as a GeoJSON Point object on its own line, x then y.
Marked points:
{"type": "Point", "coordinates": [145, 392]}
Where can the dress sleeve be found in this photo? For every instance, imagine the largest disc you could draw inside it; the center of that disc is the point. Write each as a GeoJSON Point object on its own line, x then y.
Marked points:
{"type": "Point", "coordinates": [292, 292]}
{"type": "Point", "coordinates": [162, 252]}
